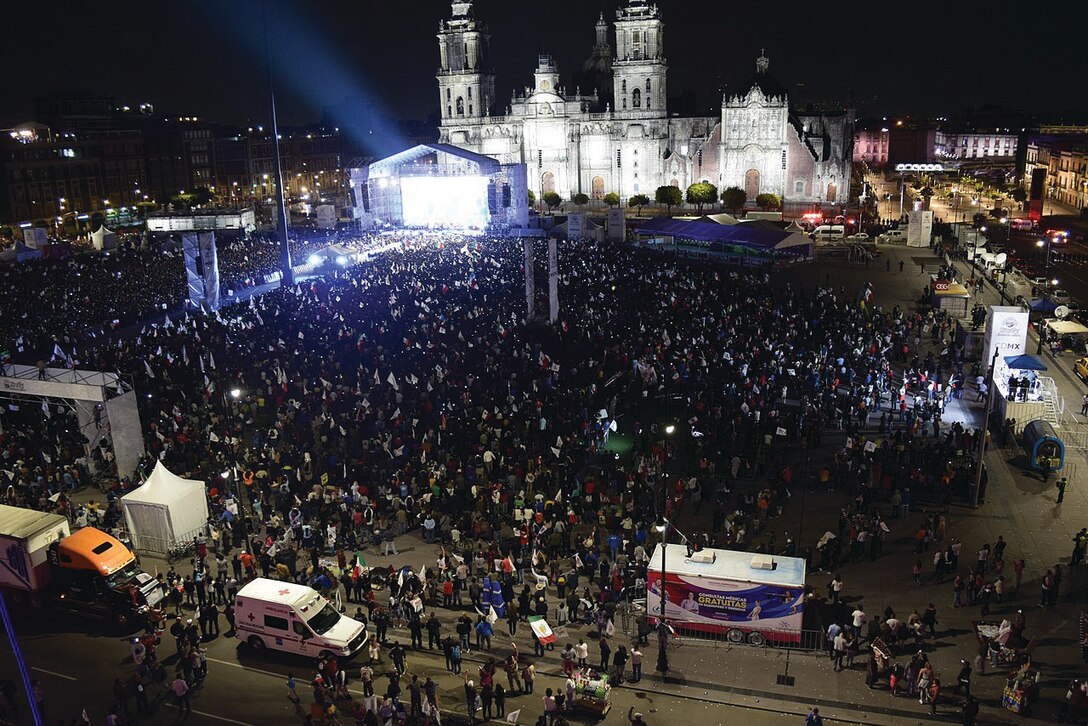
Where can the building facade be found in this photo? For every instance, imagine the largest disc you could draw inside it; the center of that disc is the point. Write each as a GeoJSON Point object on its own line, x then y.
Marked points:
{"type": "Point", "coordinates": [613, 132]}
{"type": "Point", "coordinates": [871, 146]}
{"type": "Point", "coordinates": [1060, 163]}
{"type": "Point", "coordinates": [975, 144]}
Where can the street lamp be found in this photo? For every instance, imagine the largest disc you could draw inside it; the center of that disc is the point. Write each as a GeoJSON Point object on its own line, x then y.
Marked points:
{"type": "Point", "coordinates": [662, 526]}
{"type": "Point", "coordinates": [1046, 263]}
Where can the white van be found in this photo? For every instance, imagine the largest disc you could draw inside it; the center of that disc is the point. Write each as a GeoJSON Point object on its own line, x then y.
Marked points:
{"type": "Point", "coordinates": [893, 236]}
{"type": "Point", "coordinates": [828, 232]}
{"type": "Point", "coordinates": [294, 618]}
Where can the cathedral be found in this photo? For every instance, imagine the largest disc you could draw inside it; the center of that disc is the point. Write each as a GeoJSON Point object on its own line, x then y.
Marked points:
{"type": "Point", "coordinates": [614, 132]}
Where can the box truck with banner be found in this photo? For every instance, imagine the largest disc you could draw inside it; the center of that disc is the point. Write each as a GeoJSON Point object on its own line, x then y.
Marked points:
{"type": "Point", "coordinates": [743, 595]}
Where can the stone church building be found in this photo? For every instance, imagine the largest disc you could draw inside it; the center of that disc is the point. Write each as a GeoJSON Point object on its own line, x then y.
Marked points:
{"type": "Point", "coordinates": [613, 132]}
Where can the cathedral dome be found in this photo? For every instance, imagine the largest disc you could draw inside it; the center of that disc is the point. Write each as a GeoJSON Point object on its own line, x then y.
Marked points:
{"type": "Point", "coordinates": [762, 80]}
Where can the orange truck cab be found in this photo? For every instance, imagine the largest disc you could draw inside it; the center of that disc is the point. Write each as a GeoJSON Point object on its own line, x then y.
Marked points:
{"type": "Point", "coordinates": [88, 573]}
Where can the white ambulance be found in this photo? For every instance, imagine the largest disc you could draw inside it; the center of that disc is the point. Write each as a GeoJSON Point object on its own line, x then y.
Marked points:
{"type": "Point", "coordinates": [294, 618]}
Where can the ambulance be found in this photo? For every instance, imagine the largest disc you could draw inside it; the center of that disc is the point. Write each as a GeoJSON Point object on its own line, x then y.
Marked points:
{"type": "Point", "coordinates": [295, 619]}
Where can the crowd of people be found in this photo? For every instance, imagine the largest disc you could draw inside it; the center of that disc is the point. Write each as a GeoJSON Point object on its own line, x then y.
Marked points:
{"type": "Point", "coordinates": [410, 393]}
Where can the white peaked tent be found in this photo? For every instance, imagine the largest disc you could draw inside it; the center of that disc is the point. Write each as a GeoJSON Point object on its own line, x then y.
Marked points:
{"type": "Point", "coordinates": [165, 510]}
{"type": "Point", "coordinates": [103, 239]}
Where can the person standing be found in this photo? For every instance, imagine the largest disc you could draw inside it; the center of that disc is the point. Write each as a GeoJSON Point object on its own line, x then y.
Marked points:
{"type": "Point", "coordinates": [470, 699]}
{"type": "Point", "coordinates": [836, 588]}
{"type": "Point", "coordinates": [434, 632]}
{"type": "Point", "coordinates": [180, 690]}
{"type": "Point", "coordinates": [839, 646]}
{"type": "Point", "coordinates": [415, 692]}
{"type": "Point", "coordinates": [397, 655]}
{"type": "Point", "coordinates": [970, 711]}
{"type": "Point", "coordinates": [1062, 484]}
{"type": "Point", "coordinates": [500, 702]}
{"type": "Point", "coordinates": [636, 663]}
{"type": "Point", "coordinates": [620, 661]}
{"type": "Point", "coordinates": [814, 718]}
{"type": "Point", "coordinates": [1018, 570]}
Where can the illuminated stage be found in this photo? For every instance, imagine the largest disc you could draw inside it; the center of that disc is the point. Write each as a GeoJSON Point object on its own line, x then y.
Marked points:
{"type": "Point", "coordinates": [441, 186]}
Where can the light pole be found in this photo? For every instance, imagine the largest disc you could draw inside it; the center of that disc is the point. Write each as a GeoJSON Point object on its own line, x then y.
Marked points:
{"type": "Point", "coordinates": [663, 527]}
{"type": "Point", "coordinates": [1045, 242]}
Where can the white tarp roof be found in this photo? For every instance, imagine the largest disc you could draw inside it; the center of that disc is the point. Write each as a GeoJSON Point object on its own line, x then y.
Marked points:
{"type": "Point", "coordinates": [164, 509]}
{"type": "Point", "coordinates": [1066, 327]}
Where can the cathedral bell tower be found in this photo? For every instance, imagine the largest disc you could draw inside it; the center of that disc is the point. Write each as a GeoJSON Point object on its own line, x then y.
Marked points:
{"type": "Point", "coordinates": [639, 69]}
{"type": "Point", "coordinates": [466, 81]}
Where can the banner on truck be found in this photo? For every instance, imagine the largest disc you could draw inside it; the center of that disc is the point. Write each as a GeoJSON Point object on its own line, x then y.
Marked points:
{"type": "Point", "coordinates": [706, 604]}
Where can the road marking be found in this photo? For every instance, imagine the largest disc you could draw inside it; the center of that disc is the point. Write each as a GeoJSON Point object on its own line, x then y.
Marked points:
{"type": "Point", "coordinates": [212, 715]}
{"type": "Point", "coordinates": [262, 672]}
{"type": "Point", "coordinates": [52, 673]}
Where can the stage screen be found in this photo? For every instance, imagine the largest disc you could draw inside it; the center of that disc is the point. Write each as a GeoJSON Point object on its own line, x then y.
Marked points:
{"type": "Point", "coordinates": [444, 201]}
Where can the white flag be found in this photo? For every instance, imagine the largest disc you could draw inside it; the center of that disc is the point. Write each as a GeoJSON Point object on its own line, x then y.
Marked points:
{"type": "Point", "coordinates": [512, 717]}
{"type": "Point", "coordinates": [391, 380]}
{"type": "Point", "coordinates": [150, 373]}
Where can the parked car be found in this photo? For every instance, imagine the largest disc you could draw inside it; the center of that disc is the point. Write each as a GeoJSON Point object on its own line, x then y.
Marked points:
{"type": "Point", "coordinates": [1062, 297]}
{"type": "Point", "coordinates": [1081, 368]}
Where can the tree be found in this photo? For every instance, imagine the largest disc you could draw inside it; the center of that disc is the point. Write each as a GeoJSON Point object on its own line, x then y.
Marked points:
{"type": "Point", "coordinates": [638, 200]}
{"type": "Point", "coordinates": [552, 199]}
{"type": "Point", "coordinates": [669, 196]}
{"type": "Point", "coordinates": [612, 199]}
{"type": "Point", "coordinates": [531, 198]}
{"type": "Point", "coordinates": [768, 202]}
{"type": "Point", "coordinates": [734, 198]}
{"type": "Point", "coordinates": [926, 194]}
{"type": "Point", "coordinates": [144, 208]}
{"type": "Point", "coordinates": [701, 193]}
{"type": "Point", "coordinates": [580, 199]}
{"type": "Point", "coordinates": [1019, 195]}
{"type": "Point", "coordinates": [201, 196]}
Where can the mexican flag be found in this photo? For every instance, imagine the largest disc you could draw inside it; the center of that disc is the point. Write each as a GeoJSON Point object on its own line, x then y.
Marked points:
{"type": "Point", "coordinates": [357, 565]}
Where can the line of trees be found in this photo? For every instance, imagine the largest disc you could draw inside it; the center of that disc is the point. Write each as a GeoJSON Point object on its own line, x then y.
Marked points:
{"type": "Point", "coordinates": [699, 194]}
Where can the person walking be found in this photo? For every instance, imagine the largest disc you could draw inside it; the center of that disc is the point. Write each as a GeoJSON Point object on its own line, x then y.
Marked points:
{"type": "Point", "coordinates": [1062, 484]}
{"type": "Point", "coordinates": [814, 718]}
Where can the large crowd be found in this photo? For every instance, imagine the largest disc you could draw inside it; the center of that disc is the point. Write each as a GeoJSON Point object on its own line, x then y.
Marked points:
{"type": "Point", "coordinates": [409, 392]}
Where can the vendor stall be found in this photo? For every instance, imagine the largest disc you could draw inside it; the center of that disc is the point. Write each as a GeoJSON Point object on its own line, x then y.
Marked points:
{"type": "Point", "coordinates": [1021, 689]}
{"type": "Point", "coordinates": [1062, 335]}
{"type": "Point", "coordinates": [592, 693]}
{"type": "Point", "coordinates": [952, 297]}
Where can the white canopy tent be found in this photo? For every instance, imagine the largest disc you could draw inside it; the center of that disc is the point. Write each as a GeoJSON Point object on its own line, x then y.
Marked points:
{"type": "Point", "coordinates": [165, 510]}
{"type": "Point", "coordinates": [103, 239]}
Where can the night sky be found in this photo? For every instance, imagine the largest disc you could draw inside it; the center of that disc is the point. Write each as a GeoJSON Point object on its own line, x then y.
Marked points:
{"type": "Point", "coordinates": [206, 57]}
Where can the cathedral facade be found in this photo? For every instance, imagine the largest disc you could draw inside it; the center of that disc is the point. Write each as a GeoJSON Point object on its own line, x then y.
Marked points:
{"type": "Point", "coordinates": [613, 133]}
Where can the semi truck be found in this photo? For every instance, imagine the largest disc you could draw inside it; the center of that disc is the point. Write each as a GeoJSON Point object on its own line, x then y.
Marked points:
{"type": "Point", "coordinates": [87, 573]}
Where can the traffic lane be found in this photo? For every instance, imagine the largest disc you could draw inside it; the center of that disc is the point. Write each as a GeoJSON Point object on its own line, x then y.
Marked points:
{"type": "Point", "coordinates": [77, 672]}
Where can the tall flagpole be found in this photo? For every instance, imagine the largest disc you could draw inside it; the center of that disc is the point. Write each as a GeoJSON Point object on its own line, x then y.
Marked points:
{"type": "Point", "coordinates": [288, 277]}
